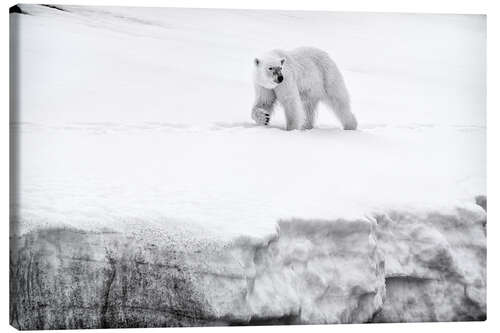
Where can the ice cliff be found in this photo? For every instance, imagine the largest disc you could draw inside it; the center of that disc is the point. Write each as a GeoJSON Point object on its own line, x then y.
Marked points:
{"type": "Point", "coordinates": [390, 267]}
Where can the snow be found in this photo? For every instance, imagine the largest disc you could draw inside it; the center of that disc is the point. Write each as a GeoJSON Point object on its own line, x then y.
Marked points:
{"type": "Point", "coordinates": [137, 121]}
{"type": "Point", "coordinates": [109, 176]}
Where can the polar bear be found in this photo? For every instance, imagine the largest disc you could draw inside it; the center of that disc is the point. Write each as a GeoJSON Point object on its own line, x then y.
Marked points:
{"type": "Point", "coordinates": [299, 79]}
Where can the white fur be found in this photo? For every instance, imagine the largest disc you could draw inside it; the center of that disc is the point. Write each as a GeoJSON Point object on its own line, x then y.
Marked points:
{"type": "Point", "coordinates": [309, 76]}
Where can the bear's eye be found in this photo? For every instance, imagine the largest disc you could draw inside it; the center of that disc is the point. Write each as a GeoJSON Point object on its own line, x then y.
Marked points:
{"type": "Point", "coordinates": [270, 68]}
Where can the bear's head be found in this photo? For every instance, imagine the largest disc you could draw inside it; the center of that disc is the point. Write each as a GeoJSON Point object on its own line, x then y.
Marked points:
{"type": "Point", "coordinates": [268, 71]}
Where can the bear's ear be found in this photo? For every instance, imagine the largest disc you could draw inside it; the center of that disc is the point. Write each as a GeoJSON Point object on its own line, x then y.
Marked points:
{"type": "Point", "coordinates": [282, 61]}
{"type": "Point", "coordinates": [256, 61]}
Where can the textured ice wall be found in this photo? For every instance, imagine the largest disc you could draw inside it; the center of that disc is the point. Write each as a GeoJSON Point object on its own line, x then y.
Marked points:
{"type": "Point", "coordinates": [311, 272]}
{"type": "Point", "coordinates": [435, 265]}
{"type": "Point", "coordinates": [394, 267]}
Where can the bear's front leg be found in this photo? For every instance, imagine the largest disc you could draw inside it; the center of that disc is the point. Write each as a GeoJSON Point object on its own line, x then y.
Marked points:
{"type": "Point", "coordinates": [289, 98]}
{"type": "Point", "coordinates": [291, 123]}
{"type": "Point", "coordinates": [261, 116]}
{"type": "Point", "coordinates": [263, 106]}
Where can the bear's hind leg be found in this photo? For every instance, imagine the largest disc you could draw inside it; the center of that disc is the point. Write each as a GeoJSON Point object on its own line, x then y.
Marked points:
{"type": "Point", "coordinates": [337, 98]}
{"type": "Point", "coordinates": [342, 110]}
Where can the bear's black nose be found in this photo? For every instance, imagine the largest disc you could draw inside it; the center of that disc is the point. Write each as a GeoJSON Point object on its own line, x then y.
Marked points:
{"type": "Point", "coordinates": [280, 79]}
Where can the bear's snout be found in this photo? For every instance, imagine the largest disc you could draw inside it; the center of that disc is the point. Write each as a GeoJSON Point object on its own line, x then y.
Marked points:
{"type": "Point", "coordinates": [280, 78]}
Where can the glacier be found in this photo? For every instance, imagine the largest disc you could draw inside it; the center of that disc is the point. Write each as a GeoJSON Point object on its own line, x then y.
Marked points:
{"type": "Point", "coordinates": [138, 203]}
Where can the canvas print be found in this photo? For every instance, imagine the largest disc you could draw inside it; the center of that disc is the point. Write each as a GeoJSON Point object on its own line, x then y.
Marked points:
{"type": "Point", "coordinates": [206, 167]}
